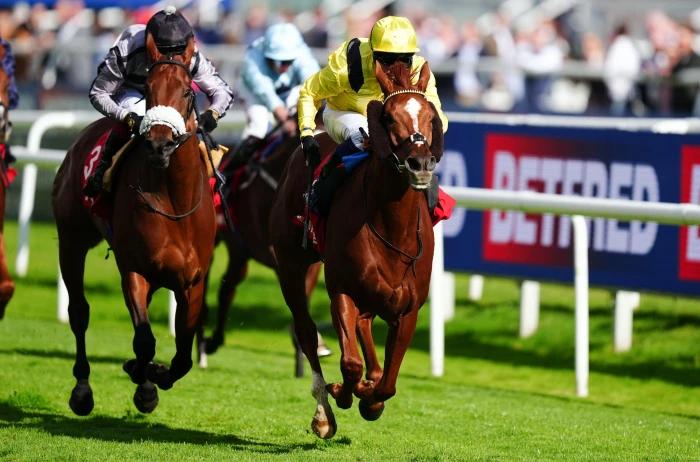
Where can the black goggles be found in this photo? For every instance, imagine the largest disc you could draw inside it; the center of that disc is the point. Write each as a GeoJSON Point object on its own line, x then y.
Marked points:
{"type": "Point", "coordinates": [390, 58]}
{"type": "Point", "coordinates": [280, 63]}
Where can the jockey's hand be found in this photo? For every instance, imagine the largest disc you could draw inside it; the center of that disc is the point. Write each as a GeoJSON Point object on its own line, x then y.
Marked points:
{"type": "Point", "coordinates": [288, 124]}
{"type": "Point", "coordinates": [133, 121]}
{"type": "Point", "coordinates": [208, 120]}
{"type": "Point", "coordinates": [312, 150]}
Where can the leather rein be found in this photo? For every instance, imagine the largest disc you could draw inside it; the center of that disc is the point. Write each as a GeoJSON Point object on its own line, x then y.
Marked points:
{"type": "Point", "coordinates": [190, 107]}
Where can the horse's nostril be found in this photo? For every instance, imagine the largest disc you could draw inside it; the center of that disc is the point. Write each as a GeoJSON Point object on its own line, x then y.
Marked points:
{"type": "Point", "coordinates": [413, 163]}
{"type": "Point", "coordinates": [432, 162]}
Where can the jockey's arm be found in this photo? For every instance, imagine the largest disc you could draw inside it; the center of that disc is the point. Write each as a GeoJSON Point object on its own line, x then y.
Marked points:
{"type": "Point", "coordinates": [109, 79]}
{"type": "Point", "coordinates": [259, 84]}
{"type": "Point", "coordinates": [305, 65]}
{"type": "Point", "coordinates": [323, 84]}
{"type": "Point", "coordinates": [217, 90]}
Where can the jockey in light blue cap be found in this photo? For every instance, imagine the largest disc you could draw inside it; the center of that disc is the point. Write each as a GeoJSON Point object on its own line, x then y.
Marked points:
{"type": "Point", "coordinates": [275, 67]}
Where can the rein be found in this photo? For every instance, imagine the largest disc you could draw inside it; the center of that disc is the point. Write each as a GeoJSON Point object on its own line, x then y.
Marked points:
{"type": "Point", "coordinates": [412, 260]}
{"type": "Point", "coordinates": [174, 217]}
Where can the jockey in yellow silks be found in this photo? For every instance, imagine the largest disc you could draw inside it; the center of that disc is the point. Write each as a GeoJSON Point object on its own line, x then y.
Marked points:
{"type": "Point", "coordinates": [347, 84]}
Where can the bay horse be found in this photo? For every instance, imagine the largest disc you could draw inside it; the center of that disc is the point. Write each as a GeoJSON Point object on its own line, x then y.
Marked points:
{"type": "Point", "coordinates": [161, 228]}
{"type": "Point", "coordinates": [7, 286]}
{"type": "Point", "coordinates": [379, 245]}
{"type": "Point", "coordinates": [250, 204]}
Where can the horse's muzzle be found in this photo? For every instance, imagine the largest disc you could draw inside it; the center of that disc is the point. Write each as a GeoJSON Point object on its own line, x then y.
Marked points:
{"type": "Point", "coordinates": [420, 171]}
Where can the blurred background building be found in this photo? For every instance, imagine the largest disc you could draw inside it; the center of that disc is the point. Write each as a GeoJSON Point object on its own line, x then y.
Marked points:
{"type": "Point", "coordinates": [622, 58]}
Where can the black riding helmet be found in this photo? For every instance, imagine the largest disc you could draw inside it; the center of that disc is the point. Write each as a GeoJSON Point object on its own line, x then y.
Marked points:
{"type": "Point", "coordinates": [170, 30]}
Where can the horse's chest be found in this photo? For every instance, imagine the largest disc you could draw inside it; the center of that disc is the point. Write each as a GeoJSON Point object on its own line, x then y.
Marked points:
{"type": "Point", "coordinates": [392, 295]}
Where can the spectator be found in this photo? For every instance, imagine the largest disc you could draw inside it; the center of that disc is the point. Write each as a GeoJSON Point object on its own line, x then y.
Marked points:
{"type": "Point", "coordinates": [684, 95]}
{"type": "Point", "coordinates": [620, 70]}
{"type": "Point", "coordinates": [466, 81]}
{"type": "Point", "coordinates": [539, 55]}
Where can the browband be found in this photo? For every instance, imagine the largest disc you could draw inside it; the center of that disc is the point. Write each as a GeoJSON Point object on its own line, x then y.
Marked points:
{"type": "Point", "coordinates": [398, 92]}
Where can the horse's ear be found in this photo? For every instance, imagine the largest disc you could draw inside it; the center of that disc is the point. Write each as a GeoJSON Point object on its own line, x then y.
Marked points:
{"type": "Point", "coordinates": [152, 49]}
{"type": "Point", "coordinates": [424, 77]}
{"type": "Point", "coordinates": [383, 79]}
{"type": "Point", "coordinates": [378, 137]}
{"type": "Point", "coordinates": [437, 144]}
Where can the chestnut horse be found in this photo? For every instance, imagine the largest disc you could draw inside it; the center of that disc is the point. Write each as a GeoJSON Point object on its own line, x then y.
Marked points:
{"type": "Point", "coordinates": [7, 287]}
{"type": "Point", "coordinates": [161, 228]}
{"type": "Point", "coordinates": [251, 205]}
{"type": "Point", "coordinates": [379, 246]}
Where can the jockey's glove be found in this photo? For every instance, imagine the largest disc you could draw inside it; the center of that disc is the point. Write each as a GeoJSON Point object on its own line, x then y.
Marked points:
{"type": "Point", "coordinates": [133, 121]}
{"type": "Point", "coordinates": [208, 120]}
{"type": "Point", "coordinates": [312, 150]}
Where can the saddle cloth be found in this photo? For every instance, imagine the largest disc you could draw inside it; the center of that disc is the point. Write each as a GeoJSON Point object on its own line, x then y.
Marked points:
{"type": "Point", "coordinates": [317, 223]}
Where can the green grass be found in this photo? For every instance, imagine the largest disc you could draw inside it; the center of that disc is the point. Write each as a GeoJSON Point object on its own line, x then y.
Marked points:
{"type": "Point", "coordinates": [502, 398]}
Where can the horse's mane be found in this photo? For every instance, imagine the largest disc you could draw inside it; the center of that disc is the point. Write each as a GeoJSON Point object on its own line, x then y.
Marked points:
{"type": "Point", "coordinates": [401, 75]}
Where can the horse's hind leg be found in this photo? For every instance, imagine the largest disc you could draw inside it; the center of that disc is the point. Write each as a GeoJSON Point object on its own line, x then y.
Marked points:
{"type": "Point", "coordinates": [236, 271]}
{"type": "Point", "coordinates": [7, 287]}
{"type": "Point", "coordinates": [136, 295]}
{"type": "Point", "coordinates": [72, 262]}
{"type": "Point", "coordinates": [292, 282]}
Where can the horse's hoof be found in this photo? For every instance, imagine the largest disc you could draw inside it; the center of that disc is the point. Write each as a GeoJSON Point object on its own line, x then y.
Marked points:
{"type": "Point", "coordinates": [81, 402]}
{"type": "Point", "coordinates": [371, 411]}
{"type": "Point", "coordinates": [130, 368]}
{"type": "Point", "coordinates": [324, 426]}
{"type": "Point", "coordinates": [342, 400]}
{"type": "Point", "coordinates": [212, 344]}
{"type": "Point", "coordinates": [146, 397]}
{"type": "Point", "coordinates": [160, 375]}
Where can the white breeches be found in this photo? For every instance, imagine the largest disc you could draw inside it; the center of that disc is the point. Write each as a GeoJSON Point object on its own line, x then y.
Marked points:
{"type": "Point", "coordinates": [132, 100]}
{"type": "Point", "coordinates": [342, 125]}
{"type": "Point", "coordinates": [260, 121]}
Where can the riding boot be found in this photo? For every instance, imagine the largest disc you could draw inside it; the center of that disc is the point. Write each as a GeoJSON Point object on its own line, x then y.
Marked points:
{"type": "Point", "coordinates": [93, 186]}
{"type": "Point", "coordinates": [432, 194]}
{"type": "Point", "coordinates": [242, 155]}
{"type": "Point", "coordinates": [332, 176]}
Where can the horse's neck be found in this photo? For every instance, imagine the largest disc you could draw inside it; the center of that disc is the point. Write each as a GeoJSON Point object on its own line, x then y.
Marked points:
{"type": "Point", "coordinates": [392, 205]}
{"type": "Point", "coordinates": [184, 174]}
{"type": "Point", "coordinates": [278, 159]}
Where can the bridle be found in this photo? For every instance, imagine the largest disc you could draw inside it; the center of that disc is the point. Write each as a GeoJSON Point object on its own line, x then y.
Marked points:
{"type": "Point", "coordinates": [190, 93]}
{"type": "Point", "coordinates": [190, 108]}
{"type": "Point", "coordinates": [414, 139]}
{"type": "Point", "coordinates": [417, 139]}
{"type": "Point", "coordinates": [5, 123]}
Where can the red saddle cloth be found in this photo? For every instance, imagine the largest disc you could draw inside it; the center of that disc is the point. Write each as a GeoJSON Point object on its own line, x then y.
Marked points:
{"type": "Point", "coordinates": [317, 228]}
{"type": "Point", "coordinates": [96, 205]}
{"type": "Point", "coordinates": [7, 173]}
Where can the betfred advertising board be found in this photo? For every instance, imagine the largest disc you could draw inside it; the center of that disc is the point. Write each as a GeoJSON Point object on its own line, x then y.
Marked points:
{"type": "Point", "coordinates": [640, 166]}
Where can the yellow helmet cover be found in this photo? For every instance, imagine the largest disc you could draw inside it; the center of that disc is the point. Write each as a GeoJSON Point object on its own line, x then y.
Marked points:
{"type": "Point", "coordinates": [393, 34]}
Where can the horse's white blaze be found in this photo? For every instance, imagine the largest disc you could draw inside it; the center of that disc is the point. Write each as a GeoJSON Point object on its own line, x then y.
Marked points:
{"type": "Point", "coordinates": [413, 108]}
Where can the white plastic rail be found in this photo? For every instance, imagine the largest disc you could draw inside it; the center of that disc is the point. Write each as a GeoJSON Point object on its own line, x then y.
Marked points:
{"type": "Point", "coordinates": [532, 202]}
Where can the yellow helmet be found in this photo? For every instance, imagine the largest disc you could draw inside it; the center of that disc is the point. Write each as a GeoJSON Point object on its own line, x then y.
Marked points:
{"type": "Point", "coordinates": [393, 34]}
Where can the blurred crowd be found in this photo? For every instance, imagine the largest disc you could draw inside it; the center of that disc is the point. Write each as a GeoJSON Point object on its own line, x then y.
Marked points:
{"type": "Point", "coordinates": [494, 62]}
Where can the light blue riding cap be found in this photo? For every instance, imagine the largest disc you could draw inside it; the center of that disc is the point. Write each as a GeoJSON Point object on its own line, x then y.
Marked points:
{"type": "Point", "coordinates": [282, 42]}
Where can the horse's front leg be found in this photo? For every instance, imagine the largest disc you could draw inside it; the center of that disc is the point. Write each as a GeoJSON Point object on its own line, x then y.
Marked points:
{"type": "Point", "coordinates": [365, 389]}
{"type": "Point", "coordinates": [136, 295]}
{"type": "Point", "coordinates": [398, 338]}
{"type": "Point", "coordinates": [345, 313]}
{"type": "Point", "coordinates": [189, 306]}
